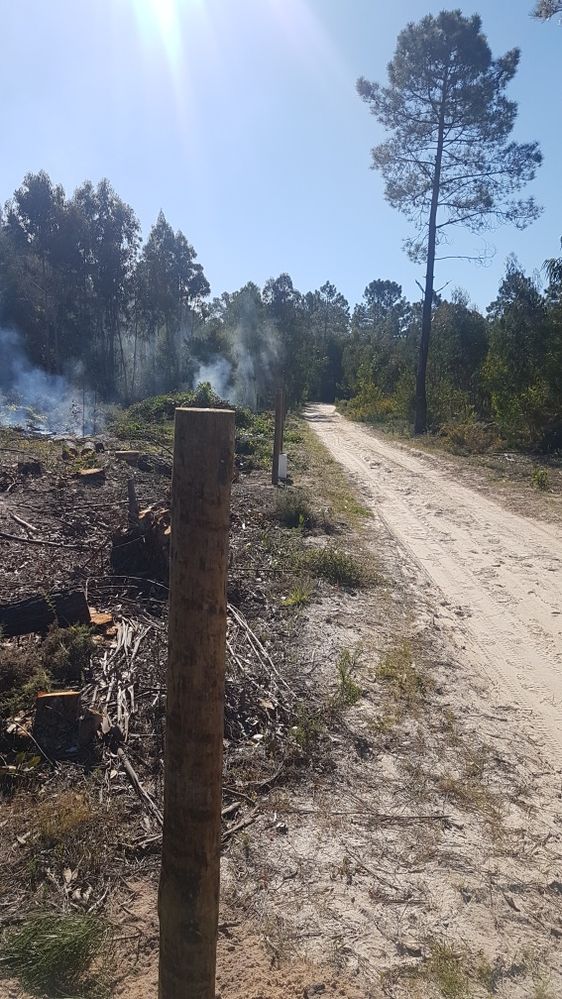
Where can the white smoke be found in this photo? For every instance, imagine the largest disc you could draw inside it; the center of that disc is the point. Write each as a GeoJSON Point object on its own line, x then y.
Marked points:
{"type": "Point", "coordinates": [37, 399]}
{"type": "Point", "coordinates": [246, 379]}
{"type": "Point", "coordinates": [219, 375]}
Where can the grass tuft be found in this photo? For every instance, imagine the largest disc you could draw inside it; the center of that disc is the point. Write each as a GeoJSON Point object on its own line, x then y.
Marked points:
{"type": "Point", "coordinates": [445, 969]}
{"type": "Point", "coordinates": [397, 669]}
{"type": "Point", "coordinates": [300, 595]}
{"type": "Point", "coordinates": [348, 692]}
{"type": "Point", "coordinates": [53, 955]}
{"type": "Point", "coordinates": [336, 567]}
{"type": "Point", "coordinates": [293, 509]}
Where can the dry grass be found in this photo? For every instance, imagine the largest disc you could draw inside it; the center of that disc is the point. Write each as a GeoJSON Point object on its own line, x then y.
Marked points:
{"type": "Point", "coordinates": [308, 455]}
{"type": "Point", "coordinates": [407, 685]}
{"type": "Point", "coordinates": [64, 817]}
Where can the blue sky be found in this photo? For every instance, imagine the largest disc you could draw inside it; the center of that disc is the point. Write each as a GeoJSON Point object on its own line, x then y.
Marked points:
{"type": "Point", "coordinates": [239, 119]}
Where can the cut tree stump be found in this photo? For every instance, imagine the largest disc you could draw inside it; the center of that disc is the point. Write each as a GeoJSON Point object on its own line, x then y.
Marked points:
{"type": "Point", "coordinates": [37, 613]}
{"type": "Point", "coordinates": [57, 721]}
{"type": "Point", "coordinates": [92, 474]}
{"type": "Point", "coordinates": [131, 457]}
{"type": "Point", "coordinates": [31, 467]}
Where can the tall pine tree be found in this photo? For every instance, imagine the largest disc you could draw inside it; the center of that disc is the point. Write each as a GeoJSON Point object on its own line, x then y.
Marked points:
{"type": "Point", "coordinates": [449, 160]}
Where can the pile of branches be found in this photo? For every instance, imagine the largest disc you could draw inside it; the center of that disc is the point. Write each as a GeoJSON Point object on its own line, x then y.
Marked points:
{"type": "Point", "coordinates": [259, 704]}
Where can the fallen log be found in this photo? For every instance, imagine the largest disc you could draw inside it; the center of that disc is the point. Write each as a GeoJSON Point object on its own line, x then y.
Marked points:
{"type": "Point", "coordinates": [37, 613]}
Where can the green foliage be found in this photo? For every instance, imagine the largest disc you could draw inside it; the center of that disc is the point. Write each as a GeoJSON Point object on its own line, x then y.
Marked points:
{"type": "Point", "coordinates": [540, 479]}
{"type": "Point", "coordinates": [152, 421]}
{"type": "Point", "coordinates": [522, 370]}
{"type": "Point", "coordinates": [293, 509]}
{"type": "Point", "coordinates": [160, 408]}
{"type": "Point", "coordinates": [300, 595]}
{"type": "Point", "coordinates": [491, 383]}
{"type": "Point", "coordinates": [348, 692]}
{"type": "Point", "coordinates": [445, 967]}
{"type": "Point", "coordinates": [66, 653]}
{"type": "Point", "coordinates": [52, 954]}
{"type": "Point", "coordinates": [337, 567]}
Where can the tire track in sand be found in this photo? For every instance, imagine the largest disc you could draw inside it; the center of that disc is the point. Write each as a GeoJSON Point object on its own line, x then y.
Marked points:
{"type": "Point", "coordinates": [500, 573]}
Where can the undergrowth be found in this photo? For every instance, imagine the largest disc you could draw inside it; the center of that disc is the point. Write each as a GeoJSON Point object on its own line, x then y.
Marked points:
{"type": "Point", "coordinates": [293, 509]}
{"type": "Point", "coordinates": [300, 595]}
{"type": "Point", "coordinates": [540, 479]}
{"type": "Point", "coordinates": [152, 422]}
{"type": "Point", "coordinates": [60, 660]}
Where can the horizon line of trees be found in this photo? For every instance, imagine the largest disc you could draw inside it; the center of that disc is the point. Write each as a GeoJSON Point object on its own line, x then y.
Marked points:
{"type": "Point", "coordinates": [136, 320]}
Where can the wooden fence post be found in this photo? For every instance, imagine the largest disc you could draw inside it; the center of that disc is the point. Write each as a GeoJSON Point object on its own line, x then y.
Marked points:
{"type": "Point", "coordinates": [278, 434]}
{"type": "Point", "coordinates": [189, 880]}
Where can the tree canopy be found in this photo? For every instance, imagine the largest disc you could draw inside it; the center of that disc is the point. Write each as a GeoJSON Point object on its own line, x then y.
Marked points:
{"type": "Point", "coordinates": [545, 9]}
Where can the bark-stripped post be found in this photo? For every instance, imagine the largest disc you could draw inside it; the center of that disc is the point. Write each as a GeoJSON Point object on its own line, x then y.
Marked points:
{"type": "Point", "coordinates": [189, 880]}
{"type": "Point", "coordinates": [278, 434]}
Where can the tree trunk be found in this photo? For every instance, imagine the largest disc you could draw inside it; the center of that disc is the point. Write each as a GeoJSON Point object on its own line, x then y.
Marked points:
{"type": "Point", "coordinates": [420, 413]}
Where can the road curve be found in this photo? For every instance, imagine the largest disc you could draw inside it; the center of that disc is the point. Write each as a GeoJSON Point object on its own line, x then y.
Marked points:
{"type": "Point", "coordinates": [500, 574]}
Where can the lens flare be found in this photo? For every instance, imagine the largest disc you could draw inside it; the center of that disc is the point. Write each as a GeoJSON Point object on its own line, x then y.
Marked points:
{"type": "Point", "coordinates": [160, 20]}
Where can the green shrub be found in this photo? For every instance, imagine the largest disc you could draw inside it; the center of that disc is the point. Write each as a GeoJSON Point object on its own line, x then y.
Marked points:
{"type": "Point", "coordinates": [540, 479]}
{"type": "Point", "coordinates": [470, 436]}
{"type": "Point", "coordinates": [66, 653]}
{"type": "Point", "coordinates": [293, 509]}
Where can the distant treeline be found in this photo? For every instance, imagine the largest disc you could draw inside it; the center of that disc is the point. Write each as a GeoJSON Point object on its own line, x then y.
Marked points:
{"type": "Point", "coordinates": [91, 301]}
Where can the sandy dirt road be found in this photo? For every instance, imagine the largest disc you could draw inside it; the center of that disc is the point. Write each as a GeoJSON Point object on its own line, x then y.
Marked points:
{"type": "Point", "coordinates": [498, 575]}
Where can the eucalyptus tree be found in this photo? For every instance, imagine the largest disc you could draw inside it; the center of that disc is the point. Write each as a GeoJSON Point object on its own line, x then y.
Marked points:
{"type": "Point", "coordinates": [449, 160]}
{"type": "Point", "coordinates": [327, 324]}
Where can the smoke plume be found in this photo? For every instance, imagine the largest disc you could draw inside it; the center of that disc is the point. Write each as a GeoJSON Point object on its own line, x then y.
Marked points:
{"type": "Point", "coordinates": [37, 399]}
{"type": "Point", "coordinates": [246, 377]}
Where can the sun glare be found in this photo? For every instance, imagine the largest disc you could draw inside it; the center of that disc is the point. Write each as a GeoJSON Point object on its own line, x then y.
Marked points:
{"type": "Point", "coordinates": [161, 18]}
